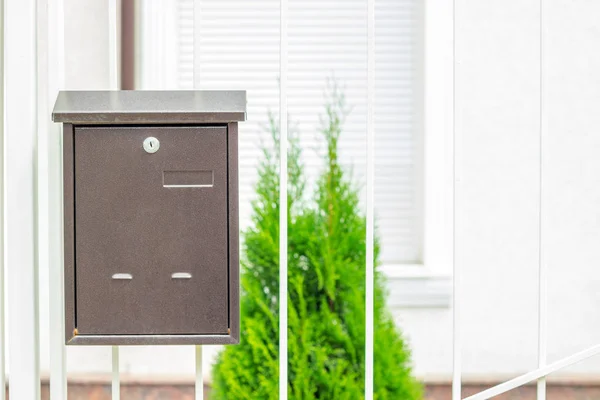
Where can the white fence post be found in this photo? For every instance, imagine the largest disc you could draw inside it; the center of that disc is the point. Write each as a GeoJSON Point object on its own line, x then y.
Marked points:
{"type": "Point", "coordinates": [114, 57]}
{"type": "Point", "coordinates": [199, 387]}
{"type": "Point", "coordinates": [56, 79]}
{"type": "Point", "coordinates": [456, 224]}
{"type": "Point", "coordinates": [2, 330]}
{"type": "Point", "coordinates": [21, 129]}
{"type": "Point", "coordinates": [199, 382]}
{"type": "Point", "coordinates": [543, 265]}
{"type": "Point", "coordinates": [283, 194]}
{"type": "Point", "coordinates": [370, 234]}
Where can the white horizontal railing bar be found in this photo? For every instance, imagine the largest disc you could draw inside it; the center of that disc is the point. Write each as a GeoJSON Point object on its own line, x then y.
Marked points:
{"type": "Point", "coordinates": [536, 374]}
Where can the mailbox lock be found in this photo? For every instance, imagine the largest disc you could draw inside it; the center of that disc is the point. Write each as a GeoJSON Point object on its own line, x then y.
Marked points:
{"type": "Point", "coordinates": [151, 145]}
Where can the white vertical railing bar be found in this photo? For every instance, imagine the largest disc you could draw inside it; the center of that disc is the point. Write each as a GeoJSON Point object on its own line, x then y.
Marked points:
{"type": "Point", "coordinates": [43, 127]}
{"type": "Point", "coordinates": [369, 275]}
{"type": "Point", "coordinates": [116, 379]}
{"type": "Point", "coordinates": [456, 189]}
{"type": "Point", "coordinates": [2, 247]}
{"type": "Point", "coordinates": [197, 44]}
{"type": "Point", "coordinates": [56, 80]}
{"type": "Point", "coordinates": [283, 217]}
{"type": "Point", "coordinates": [21, 116]}
{"type": "Point", "coordinates": [543, 267]}
{"type": "Point", "coordinates": [114, 67]}
{"type": "Point", "coordinates": [114, 39]}
{"type": "Point", "coordinates": [199, 389]}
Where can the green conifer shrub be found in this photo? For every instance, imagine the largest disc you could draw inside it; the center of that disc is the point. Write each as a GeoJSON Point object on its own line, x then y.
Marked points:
{"type": "Point", "coordinates": [326, 261]}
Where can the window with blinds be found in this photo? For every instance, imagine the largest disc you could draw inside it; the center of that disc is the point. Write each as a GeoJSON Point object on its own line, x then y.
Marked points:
{"type": "Point", "coordinates": [238, 48]}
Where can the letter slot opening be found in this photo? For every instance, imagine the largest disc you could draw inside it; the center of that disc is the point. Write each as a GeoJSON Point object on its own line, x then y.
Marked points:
{"type": "Point", "coordinates": [188, 179]}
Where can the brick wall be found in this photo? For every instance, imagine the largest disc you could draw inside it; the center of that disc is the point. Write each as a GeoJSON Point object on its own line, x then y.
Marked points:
{"type": "Point", "coordinates": [434, 391]}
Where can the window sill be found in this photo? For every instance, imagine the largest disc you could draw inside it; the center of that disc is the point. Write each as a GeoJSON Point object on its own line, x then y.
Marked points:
{"type": "Point", "coordinates": [417, 286]}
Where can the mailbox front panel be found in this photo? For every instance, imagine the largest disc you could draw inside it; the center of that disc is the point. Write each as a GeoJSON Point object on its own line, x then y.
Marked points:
{"type": "Point", "coordinates": [151, 230]}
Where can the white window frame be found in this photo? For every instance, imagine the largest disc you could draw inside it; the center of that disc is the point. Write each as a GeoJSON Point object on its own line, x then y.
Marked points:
{"type": "Point", "coordinates": [429, 283]}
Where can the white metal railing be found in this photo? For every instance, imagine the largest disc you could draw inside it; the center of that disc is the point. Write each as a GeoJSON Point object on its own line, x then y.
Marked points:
{"type": "Point", "coordinates": [2, 247]}
{"type": "Point", "coordinates": [21, 195]}
{"type": "Point", "coordinates": [283, 194]}
{"type": "Point", "coordinates": [456, 224]}
{"type": "Point", "coordinates": [55, 81]}
{"type": "Point", "coordinates": [114, 13]}
{"type": "Point", "coordinates": [370, 234]}
{"type": "Point", "coordinates": [33, 58]}
{"type": "Point", "coordinates": [543, 265]}
{"type": "Point", "coordinates": [199, 381]}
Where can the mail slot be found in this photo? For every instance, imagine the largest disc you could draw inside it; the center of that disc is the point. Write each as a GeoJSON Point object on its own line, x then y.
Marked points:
{"type": "Point", "coordinates": [150, 183]}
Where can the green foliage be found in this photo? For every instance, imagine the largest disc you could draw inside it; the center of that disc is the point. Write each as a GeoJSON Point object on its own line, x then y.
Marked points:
{"type": "Point", "coordinates": [326, 260]}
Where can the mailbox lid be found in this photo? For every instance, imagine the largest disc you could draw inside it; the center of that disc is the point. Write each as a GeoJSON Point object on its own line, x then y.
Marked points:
{"type": "Point", "coordinates": [142, 217]}
{"type": "Point", "coordinates": [149, 107]}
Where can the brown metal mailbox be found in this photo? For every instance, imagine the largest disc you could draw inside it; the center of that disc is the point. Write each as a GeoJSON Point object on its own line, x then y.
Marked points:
{"type": "Point", "coordinates": [151, 216]}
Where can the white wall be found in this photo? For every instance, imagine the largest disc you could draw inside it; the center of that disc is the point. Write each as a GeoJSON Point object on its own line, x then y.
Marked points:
{"type": "Point", "coordinates": [498, 113]}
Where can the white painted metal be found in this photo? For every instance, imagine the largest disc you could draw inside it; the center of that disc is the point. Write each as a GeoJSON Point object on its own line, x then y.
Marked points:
{"type": "Point", "coordinates": [56, 80]}
{"type": "Point", "coordinates": [114, 41]}
{"type": "Point", "coordinates": [159, 46]}
{"type": "Point", "coordinates": [199, 391]}
{"type": "Point", "coordinates": [2, 193]}
{"type": "Point", "coordinates": [114, 83]}
{"type": "Point", "coordinates": [283, 194]}
{"type": "Point", "coordinates": [21, 128]}
{"type": "Point", "coordinates": [536, 374]}
{"type": "Point", "coordinates": [116, 378]}
{"type": "Point", "coordinates": [197, 44]}
{"type": "Point", "coordinates": [456, 181]}
{"type": "Point", "coordinates": [199, 378]}
{"type": "Point", "coordinates": [370, 235]}
{"type": "Point", "coordinates": [543, 265]}
{"type": "Point", "coordinates": [43, 127]}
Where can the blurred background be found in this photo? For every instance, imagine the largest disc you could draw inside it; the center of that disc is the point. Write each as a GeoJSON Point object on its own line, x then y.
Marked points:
{"type": "Point", "coordinates": [493, 98]}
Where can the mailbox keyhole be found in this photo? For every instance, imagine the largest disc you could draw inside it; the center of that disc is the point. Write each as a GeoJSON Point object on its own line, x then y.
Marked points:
{"type": "Point", "coordinates": [151, 145]}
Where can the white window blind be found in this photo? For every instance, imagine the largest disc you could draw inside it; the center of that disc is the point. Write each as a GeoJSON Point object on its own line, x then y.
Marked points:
{"type": "Point", "coordinates": [239, 49]}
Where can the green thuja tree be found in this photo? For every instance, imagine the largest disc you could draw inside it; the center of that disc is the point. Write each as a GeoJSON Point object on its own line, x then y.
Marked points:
{"type": "Point", "coordinates": [326, 261]}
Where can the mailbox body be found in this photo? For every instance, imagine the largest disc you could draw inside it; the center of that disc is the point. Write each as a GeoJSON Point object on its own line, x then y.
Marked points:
{"type": "Point", "coordinates": [150, 237]}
